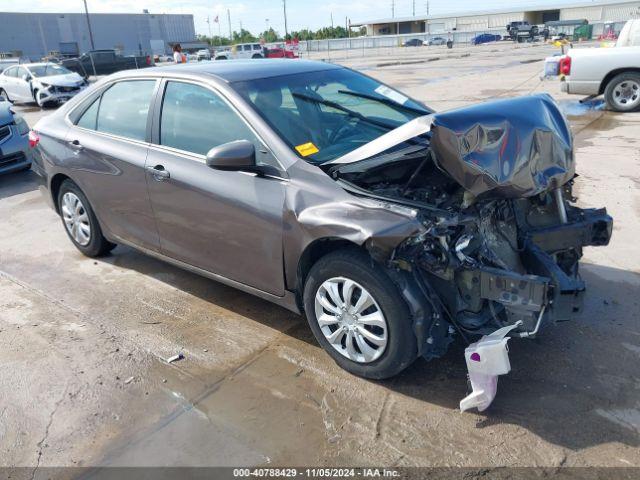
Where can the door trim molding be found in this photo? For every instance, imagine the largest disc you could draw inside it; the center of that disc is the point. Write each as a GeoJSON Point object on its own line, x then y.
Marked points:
{"type": "Point", "coordinates": [287, 301]}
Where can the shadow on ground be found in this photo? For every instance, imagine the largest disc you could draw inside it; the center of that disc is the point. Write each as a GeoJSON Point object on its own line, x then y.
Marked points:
{"type": "Point", "coordinates": [577, 385]}
{"type": "Point", "coordinates": [12, 184]}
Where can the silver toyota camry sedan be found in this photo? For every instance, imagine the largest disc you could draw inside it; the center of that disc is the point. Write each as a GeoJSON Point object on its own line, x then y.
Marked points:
{"type": "Point", "coordinates": [394, 229]}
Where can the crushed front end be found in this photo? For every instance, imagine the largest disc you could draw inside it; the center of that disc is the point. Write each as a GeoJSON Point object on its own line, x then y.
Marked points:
{"type": "Point", "coordinates": [502, 239]}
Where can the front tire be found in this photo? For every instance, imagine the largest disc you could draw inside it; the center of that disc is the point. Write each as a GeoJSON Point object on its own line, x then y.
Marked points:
{"type": "Point", "coordinates": [622, 93]}
{"type": "Point", "coordinates": [80, 222]}
{"type": "Point", "coordinates": [358, 316]}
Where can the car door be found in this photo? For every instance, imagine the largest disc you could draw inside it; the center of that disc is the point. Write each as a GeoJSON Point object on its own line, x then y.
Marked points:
{"type": "Point", "coordinates": [108, 148]}
{"type": "Point", "coordinates": [22, 86]}
{"type": "Point", "coordinates": [225, 222]}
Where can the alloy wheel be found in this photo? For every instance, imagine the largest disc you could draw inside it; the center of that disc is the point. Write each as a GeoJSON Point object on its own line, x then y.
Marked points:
{"type": "Point", "coordinates": [76, 219]}
{"type": "Point", "coordinates": [626, 94]}
{"type": "Point", "coordinates": [351, 320]}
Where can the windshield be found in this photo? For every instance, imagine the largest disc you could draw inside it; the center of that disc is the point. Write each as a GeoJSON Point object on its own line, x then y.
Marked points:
{"type": "Point", "coordinates": [324, 115]}
{"type": "Point", "coordinates": [48, 70]}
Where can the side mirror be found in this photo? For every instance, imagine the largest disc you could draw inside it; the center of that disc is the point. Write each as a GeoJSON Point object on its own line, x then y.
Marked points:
{"type": "Point", "coordinates": [238, 155]}
{"type": "Point", "coordinates": [26, 77]}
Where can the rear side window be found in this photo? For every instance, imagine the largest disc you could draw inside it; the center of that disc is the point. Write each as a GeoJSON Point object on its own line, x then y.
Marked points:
{"type": "Point", "coordinates": [11, 72]}
{"type": "Point", "coordinates": [195, 119]}
{"type": "Point", "coordinates": [122, 110]}
{"type": "Point", "coordinates": [90, 117]}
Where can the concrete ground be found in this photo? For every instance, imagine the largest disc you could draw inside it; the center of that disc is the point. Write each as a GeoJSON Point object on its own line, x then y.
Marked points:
{"type": "Point", "coordinates": [83, 342]}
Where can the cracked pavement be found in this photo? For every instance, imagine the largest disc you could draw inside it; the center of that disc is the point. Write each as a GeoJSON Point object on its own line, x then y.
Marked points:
{"type": "Point", "coordinates": [83, 342]}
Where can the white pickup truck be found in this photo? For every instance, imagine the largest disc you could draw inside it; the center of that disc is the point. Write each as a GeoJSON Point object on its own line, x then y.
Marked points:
{"type": "Point", "coordinates": [614, 72]}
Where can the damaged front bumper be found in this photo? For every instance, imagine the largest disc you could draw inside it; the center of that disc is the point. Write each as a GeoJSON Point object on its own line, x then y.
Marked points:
{"type": "Point", "coordinates": [466, 278]}
{"type": "Point", "coordinates": [58, 94]}
{"type": "Point", "coordinates": [551, 290]}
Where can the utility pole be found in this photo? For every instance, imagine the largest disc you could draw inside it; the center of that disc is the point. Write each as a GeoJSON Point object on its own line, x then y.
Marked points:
{"type": "Point", "coordinates": [331, 20]}
{"type": "Point", "coordinates": [284, 8]}
{"type": "Point", "coordinates": [414, 8]}
{"type": "Point", "coordinates": [86, 11]}
{"type": "Point", "coordinates": [393, 9]}
{"type": "Point", "coordinates": [229, 20]}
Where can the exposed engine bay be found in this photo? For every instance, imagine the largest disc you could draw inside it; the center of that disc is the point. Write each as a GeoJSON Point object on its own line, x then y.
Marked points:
{"type": "Point", "coordinates": [502, 237]}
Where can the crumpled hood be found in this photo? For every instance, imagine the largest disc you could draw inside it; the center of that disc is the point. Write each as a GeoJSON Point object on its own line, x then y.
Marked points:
{"type": "Point", "coordinates": [518, 147]}
{"type": "Point", "coordinates": [68, 80]}
{"type": "Point", "coordinates": [512, 148]}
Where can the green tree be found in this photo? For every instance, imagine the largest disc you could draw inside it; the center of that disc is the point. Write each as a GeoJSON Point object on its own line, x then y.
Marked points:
{"type": "Point", "coordinates": [270, 35]}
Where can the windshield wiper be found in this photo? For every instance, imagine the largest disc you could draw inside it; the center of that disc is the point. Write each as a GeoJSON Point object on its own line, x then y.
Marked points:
{"type": "Point", "coordinates": [349, 112]}
{"type": "Point", "coordinates": [386, 101]}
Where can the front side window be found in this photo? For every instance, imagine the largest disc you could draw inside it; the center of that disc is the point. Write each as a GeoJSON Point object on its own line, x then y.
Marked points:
{"type": "Point", "coordinates": [22, 72]}
{"type": "Point", "coordinates": [246, 48]}
{"type": "Point", "coordinates": [122, 110]}
{"type": "Point", "coordinates": [195, 119]}
{"type": "Point", "coordinates": [326, 114]}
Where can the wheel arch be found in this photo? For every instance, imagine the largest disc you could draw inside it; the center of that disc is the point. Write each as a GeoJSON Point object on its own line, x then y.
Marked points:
{"type": "Point", "coordinates": [613, 73]}
{"type": "Point", "coordinates": [314, 252]}
{"type": "Point", "coordinates": [54, 188]}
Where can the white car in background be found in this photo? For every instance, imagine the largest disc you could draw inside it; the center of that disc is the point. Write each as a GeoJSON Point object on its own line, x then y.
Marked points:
{"type": "Point", "coordinates": [44, 83]}
{"type": "Point", "coordinates": [243, 50]}
{"type": "Point", "coordinates": [203, 54]}
{"type": "Point", "coordinates": [612, 72]}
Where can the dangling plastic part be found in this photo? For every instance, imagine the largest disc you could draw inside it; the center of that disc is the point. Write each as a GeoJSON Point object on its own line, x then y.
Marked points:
{"type": "Point", "coordinates": [486, 359]}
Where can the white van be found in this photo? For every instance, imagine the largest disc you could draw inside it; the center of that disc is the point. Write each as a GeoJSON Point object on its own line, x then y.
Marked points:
{"type": "Point", "coordinates": [242, 50]}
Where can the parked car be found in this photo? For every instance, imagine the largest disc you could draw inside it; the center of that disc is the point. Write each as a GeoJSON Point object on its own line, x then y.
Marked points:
{"type": "Point", "coordinates": [612, 72]}
{"type": "Point", "coordinates": [437, 41]}
{"type": "Point", "coordinates": [414, 42]}
{"type": "Point", "coordinates": [485, 38]}
{"type": "Point", "coordinates": [203, 54]}
{"type": "Point", "coordinates": [105, 62]}
{"type": "Point", "coordinates": [43, 83]}
{"type": "Point", "coordinates": [522, 30]}
{"type": "Point", "coordinates": [243, 50]}
{"type": "Point", "coordinates": [322, 190]}
{"type": "Point", "coordinates": [280, 51]}
{"type": "Point", "coordinates": [14, 140]}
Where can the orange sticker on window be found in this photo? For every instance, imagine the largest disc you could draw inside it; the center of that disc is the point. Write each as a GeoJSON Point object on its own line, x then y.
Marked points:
{"type": "Point", "coordinates": [307, 149]}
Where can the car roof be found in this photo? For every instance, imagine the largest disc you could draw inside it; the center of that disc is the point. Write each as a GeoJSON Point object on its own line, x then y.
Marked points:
{"type": "Point", "coordinates": [241, 70]}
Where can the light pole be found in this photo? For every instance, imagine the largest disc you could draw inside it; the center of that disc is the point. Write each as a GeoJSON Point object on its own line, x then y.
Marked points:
{"type": "Point", "coordinates": [284, 8]}
{"type": "Point", "coordinates": [86, 11]}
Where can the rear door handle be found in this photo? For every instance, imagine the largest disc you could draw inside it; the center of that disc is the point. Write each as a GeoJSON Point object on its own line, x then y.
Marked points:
{"type": "Point", "coordinates": [159, 173]}
{"type": "Point", "coordinates": [75, 145]}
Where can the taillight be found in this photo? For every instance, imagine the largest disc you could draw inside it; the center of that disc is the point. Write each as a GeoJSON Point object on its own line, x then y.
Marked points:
{"type": "Point", "coordinates": [565, 65]}
{"type": "Point", "coordinates": [34, 139]}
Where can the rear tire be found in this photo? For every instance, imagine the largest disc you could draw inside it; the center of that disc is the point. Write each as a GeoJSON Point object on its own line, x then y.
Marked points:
{"type": "Point", "coordinates": [367, 278]}
{"type": "Point", "coordinates": [5, 95]}
{"type": "Point", "coordinates": [622, 93]}
{"type": "Point", "coordinates": [79, 221]}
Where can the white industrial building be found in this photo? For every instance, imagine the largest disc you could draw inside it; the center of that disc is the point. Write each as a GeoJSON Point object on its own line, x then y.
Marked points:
{"type": "Point", "coordinates": [595, 12]}
{"type": "Point", "coordinates": [37, 34]}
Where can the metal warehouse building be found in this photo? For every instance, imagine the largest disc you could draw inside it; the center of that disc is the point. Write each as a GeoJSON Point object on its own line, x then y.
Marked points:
{"type": "Point", "coordinates": [37, 34]}
{"type": "Point", "coordinates": [595, 12]}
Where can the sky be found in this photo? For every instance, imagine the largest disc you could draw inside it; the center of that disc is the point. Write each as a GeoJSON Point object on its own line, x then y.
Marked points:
{"type": "Point", "coordinates": [256, 15]}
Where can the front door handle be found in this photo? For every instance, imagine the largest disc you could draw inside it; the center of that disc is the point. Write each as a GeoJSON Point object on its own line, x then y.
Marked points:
{"type": "Point", "coordinates": [159, 173]}
{"type": "Point", "coordinates": [76, 146]}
